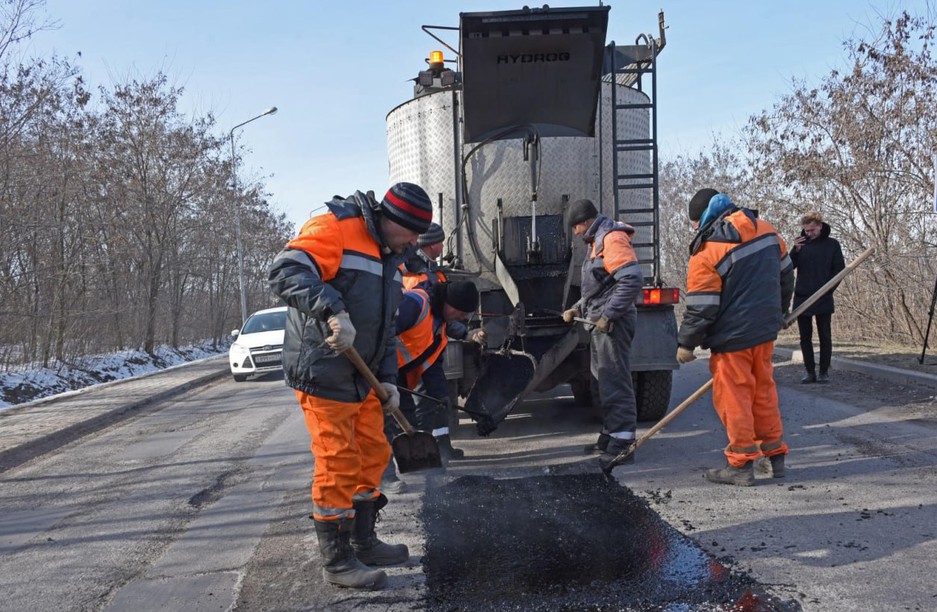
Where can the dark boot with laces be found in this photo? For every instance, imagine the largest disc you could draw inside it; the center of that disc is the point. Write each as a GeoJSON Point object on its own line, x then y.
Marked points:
{"type": "Point", "coordinates": [809, 377]}
{"type": "Point", "coordinates": [368, 548]}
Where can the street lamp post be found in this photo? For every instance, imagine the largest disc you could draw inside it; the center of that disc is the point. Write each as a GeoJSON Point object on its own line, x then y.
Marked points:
{"type": "Point", "coordinates": [242, 285]}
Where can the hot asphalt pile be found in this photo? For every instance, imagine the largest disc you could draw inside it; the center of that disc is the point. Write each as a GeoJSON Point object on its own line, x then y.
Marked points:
{"type": "Point", "coordinates": [567, 543]}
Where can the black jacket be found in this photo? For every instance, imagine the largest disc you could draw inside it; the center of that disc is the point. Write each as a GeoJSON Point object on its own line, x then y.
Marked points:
{"type": "Point", "coordinates": [816, 262]}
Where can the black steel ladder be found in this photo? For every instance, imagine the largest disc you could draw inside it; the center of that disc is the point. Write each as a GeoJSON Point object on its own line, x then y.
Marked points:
{"type": "Point", "coordinates": [632, 66]}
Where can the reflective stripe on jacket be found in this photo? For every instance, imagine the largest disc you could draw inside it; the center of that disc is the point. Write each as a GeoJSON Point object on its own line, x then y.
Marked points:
{"type": "Point", "coordinates": [336, 264]}
{"type": "Point", "coordinates": [739, 284]}
{"type": "Point", "coordinates": [420, 345]}
{"type": "Point", "coordinates": [611, 276]}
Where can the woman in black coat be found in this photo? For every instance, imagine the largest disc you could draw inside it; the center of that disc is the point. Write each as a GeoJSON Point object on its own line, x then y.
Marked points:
{"type": "Point", "coordinates": [817, 258]}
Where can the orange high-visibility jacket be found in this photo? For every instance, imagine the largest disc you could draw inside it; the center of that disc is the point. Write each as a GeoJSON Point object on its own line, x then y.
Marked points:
{"type": "Point", "coordinates": [336, 263]}
{"type": "Point", "coordinates": [739, 284]}
{"type": "Point", "coordinates": [419, 346]}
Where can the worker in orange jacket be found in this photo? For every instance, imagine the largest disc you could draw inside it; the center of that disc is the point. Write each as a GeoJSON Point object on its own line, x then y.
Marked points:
{"type": "Point", "coordinates": [423, 318]}
{"type": "Point", "coordinates": [341, 281]}
{"type": "Point", "coordinates": [420, 263]}
{"type": "Point", "coordinates": [739, 287]}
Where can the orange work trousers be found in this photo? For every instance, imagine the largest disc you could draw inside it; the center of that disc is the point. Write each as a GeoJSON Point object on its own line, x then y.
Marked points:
{"type": "Point", "coordinates": [746, 400]}
{"type": "Point", "coordinates": [350, 452]}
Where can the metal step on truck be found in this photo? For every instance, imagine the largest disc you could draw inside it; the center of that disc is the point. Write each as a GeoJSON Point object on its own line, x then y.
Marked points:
{"type": "Point", "coordinates": [533, 111]}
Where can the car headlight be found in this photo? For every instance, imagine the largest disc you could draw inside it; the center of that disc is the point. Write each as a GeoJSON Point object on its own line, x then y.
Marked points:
{"type": "Point", "coordinates": [239, 351]}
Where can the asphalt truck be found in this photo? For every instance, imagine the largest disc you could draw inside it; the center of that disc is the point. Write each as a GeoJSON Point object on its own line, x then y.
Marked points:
{"type": "Point", "coordinates": [533, 111]}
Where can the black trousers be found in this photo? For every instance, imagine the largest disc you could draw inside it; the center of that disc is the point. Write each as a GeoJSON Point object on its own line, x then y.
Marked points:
{"type": "Point", "coordinates": [805, 327]}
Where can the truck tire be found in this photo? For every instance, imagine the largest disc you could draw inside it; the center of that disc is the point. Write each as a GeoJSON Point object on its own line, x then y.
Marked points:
{"type": "Point", "coordinates": [239, 377]}
{"type": "Point", "coordinates": [652, 390]}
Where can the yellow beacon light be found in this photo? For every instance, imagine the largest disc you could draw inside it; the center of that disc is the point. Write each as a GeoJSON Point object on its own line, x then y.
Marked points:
{"type": "Point", "coordinates": [435, 57]}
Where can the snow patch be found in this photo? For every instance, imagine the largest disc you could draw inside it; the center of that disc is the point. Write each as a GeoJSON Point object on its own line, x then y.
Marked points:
{"type": "Point", "coordinates": [33, 382]}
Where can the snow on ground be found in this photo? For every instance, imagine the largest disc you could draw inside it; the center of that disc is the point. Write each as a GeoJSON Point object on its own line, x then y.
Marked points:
{"type": "Point", "coordinates": [27, 384]}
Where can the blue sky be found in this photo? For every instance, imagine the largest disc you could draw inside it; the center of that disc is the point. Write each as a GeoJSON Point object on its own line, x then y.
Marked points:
{"type": "Point", "coordinates": [335, 69]}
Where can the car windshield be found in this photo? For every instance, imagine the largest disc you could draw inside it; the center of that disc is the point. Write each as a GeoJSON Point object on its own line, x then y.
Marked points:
{"type": "Point", "coordinates": [267, 321]}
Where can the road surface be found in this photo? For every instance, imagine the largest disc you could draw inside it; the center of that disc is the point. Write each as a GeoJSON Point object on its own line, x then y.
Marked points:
{"type": "Point", "coordinates": [201, 502]}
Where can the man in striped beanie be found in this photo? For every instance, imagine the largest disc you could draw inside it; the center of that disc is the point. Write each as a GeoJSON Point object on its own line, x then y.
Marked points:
{"type": "Point", "coordinates": [409, 211]}
{"type": "Point", "coordinates": [341, 281]}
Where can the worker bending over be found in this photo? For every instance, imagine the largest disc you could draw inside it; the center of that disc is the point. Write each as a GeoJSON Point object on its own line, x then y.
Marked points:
{"type": "Point", "coordinates": [341, 281]}
{"type": "Point", "coordinates": [739, 286]}
{"type": "Point", "coordinates": [424, 314]}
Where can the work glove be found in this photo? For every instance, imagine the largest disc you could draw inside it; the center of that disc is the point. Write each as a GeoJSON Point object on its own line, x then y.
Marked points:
{"type": "Point", "coordinates": [603, 324]}
{"type": "Point", "coordinates": [343, 332]}
{"type": "Point", "coordinates": [572, 313]}
{"type": "Point", "coordinates": [685, 355]}
{"type": "Point", "coordinates": [393, 397]}
{"type": "Point", "coordinates": [478, 336]}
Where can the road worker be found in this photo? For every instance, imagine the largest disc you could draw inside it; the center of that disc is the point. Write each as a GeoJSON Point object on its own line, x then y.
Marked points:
{"type": "Point", "coordinates": [420, 263]}
{"type": "Point", "coordinates": [611, 284]}
{"type": "Point", "coordinates": [420, 266]}
{"type": "Point", "coordinates": [422, 320]}
{"type": "Point", "coordinates": [739, 286]}
{"type": "Point", "coordinates": [341, 281]}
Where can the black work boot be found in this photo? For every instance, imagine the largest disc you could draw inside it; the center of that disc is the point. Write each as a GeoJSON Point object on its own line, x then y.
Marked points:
{"type": "Point", "coordinates": [341, 566]}
{"type": "Point", "coordinates": [742, 476]}
{"type": "Point", "coordinates": [809, 377]}
{"type": "Point", "coordinates": [823, 377]}
{"type": "Point", "coordinates": [368, 548]}
{"type": "Point", "coordinates": [447, 452]}
{"type": "Point", "coordinates": [598, 447]}
{"type": "Point", "coordinates": [615, 447]}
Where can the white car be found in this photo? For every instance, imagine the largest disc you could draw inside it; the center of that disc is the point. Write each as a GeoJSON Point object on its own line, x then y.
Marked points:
{"type": "Point", "coordinates": [258, 346]}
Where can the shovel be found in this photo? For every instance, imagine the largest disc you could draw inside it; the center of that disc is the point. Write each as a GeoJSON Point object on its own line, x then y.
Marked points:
{"type": "Point", "coordinates": [829, 286]}
{"type": "Point", "coordinates": [414, 450]}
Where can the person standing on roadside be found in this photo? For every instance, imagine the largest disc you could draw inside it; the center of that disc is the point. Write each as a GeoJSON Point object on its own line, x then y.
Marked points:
{"type": "Point", "coordinates": [817, 258]}
{"type": "Point", "coordinates": [341, 281]}
{"type": "Point", "coordinates": [611, 284]}
{"type": "Point", "coordinates": [739, 286]}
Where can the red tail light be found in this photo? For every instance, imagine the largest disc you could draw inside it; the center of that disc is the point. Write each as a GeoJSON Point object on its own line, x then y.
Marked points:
{"type": "Point", "coordinates": [664, 295]}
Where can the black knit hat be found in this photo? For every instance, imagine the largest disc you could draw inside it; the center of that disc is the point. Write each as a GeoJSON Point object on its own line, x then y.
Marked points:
{"type": "Point", "coordinates": [582, 210]}
{"type": "Point", "coordinates": [433, 235]}
{"type": "Point", "coordinates": [408, 205]}
{"type": "Point", "coordinates": [699, 203]}
{"type": "Point", "coordinates": [462, 295]}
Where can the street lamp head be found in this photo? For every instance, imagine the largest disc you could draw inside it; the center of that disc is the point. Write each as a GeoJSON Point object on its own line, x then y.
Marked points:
{"type": "Point", "coordinates": [270, 111]}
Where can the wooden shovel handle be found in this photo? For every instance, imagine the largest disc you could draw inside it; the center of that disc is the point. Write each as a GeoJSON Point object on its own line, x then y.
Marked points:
{"type": "Point", "coordinates": [369, 376]}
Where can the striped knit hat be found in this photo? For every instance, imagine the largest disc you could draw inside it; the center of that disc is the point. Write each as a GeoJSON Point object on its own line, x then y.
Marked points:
{"type": "Point", "coordinates": [408, 205]}
{"type": "Point", "coordinates": [433, 235]}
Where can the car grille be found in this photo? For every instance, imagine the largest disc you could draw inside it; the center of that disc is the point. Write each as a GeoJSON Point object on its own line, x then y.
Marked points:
{"type": "Point", "coordinates": [268, 356]}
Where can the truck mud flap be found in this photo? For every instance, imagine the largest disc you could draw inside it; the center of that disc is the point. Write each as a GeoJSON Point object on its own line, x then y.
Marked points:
{"type": "Point", "coordinates": [502, 382]}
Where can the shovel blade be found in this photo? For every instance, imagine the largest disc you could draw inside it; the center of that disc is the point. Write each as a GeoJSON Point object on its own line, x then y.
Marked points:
{"type": "Point", "coordinates": [416, 451]}
{"type": "Point", "coordinates": [502, 382]}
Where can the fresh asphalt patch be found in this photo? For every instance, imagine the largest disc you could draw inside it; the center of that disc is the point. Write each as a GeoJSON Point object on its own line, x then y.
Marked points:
{"type": "Point", "coordinates": [573, 542]}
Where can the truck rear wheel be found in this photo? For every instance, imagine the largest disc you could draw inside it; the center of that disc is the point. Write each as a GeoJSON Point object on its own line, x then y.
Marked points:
{"type": "Point", "coordinates": [652, 390]}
